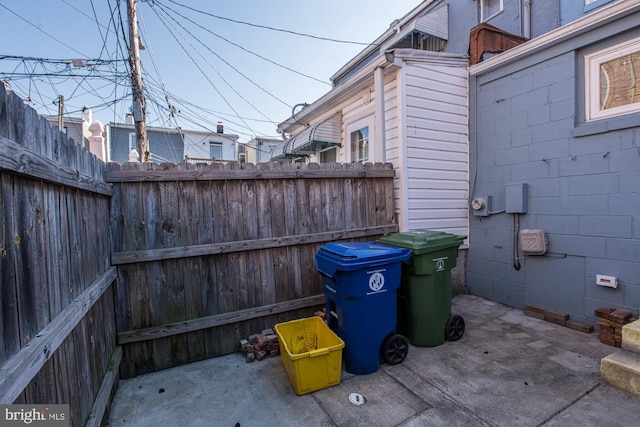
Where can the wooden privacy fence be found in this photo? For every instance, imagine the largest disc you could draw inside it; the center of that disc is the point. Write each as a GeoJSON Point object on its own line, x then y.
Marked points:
{"type": "Point", "coordinates": [57, 325]}
{"type": "Point", "coordinates": [208, 254]}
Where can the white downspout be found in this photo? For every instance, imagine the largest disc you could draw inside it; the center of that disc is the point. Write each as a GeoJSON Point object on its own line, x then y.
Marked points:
{"type": "Point", "coordinates": [527, 19]}
{"type": "Point", "coordinates": [380, 126]}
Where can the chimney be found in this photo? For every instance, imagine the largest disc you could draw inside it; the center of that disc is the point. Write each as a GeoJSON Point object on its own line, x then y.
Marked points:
{"type": "Point", "coordinates": [220, 128]}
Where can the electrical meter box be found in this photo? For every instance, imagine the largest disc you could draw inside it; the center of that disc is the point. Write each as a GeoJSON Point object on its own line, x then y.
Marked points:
{"type": "Point", "coordinates": [533, 241]}
{"type": "Point", "coordinates": [515, 199]}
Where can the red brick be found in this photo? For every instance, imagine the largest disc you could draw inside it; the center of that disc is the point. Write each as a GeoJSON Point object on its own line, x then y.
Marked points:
{"type": "Point", "coordinates": [620, 315]}
{"type": "Point", "coordinates": [603, 322]}
{"type": "Point", "coordinates": [260, 354]}
{"type": "Point", "coordinates": [578, 326]}
{"type": "Point", "coordinates": [607, 329]}
{"type": "Point", "coordinates": [274, 353]}
{"type": "Point", "coordinates": [616, 324]}
{"type": "Point", "coordinates": [612, 343]}
{"type": "Point", "coordinates": [533, 314]}
{"type": "Point", "coordinates": [606, 335]}
{"type": "Point", "coordinates": [250, 357]}
{"type": "Point", "coordinates": [603, 312]}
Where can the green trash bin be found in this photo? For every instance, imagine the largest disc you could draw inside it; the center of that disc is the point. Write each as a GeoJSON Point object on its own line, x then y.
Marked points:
{"type": "Point", "coordinates": [424, 298]}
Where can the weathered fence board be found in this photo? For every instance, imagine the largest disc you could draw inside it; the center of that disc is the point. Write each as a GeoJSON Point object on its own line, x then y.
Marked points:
{"type": "Point", "coordinates": [236, 239]}
{"type": "Point", "coordinates": [56, 302]}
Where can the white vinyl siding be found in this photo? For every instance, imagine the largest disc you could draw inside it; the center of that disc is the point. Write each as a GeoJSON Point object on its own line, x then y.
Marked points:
{"type": "Point", "coordinates": [436, 148]}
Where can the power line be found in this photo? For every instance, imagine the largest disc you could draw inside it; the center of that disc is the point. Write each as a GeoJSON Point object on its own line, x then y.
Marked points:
{"type": "Point", "coordinates": [218, 73]}
{"type": "Point", "coordinates": [245, 49]}
{"type": "Point", "coordinates": [204, 74]}
{"type": "Point", "coordinates": [264, 26]}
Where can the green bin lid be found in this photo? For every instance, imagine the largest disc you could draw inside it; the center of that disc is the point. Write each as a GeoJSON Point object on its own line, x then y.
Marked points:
{"type": "Point", "coordinates": [423, 241]}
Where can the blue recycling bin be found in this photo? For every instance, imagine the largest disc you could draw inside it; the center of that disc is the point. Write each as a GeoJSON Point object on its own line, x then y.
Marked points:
{"type": "Point", "coordinates": [360, 281]}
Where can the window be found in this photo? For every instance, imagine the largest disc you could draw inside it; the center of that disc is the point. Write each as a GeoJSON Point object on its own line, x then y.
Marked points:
{"type": "Point", "coordinates": [360, 145]}
{"type": "Point", "coordinates": [612, 81]}
{"type": "Point", "coordinates": [215, 150]}
{"type": "Point", "coordinates": [329, 156]}
{"type": "Point", "coordinates": [359, 137]}
{"type": "Point", "coordinates": [490, 8]}
{"type": "Point", "coordinates": [132, 141]}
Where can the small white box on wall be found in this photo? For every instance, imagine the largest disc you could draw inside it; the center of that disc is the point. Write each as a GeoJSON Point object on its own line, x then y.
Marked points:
{"type": "Point", "coordinates": [533, 241]}
{"type": "Point", "coordinates": [608, 281]}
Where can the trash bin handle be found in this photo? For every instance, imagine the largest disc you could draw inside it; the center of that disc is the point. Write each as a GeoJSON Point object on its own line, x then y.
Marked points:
{"type": "Point", "coordinates": [319, 352]}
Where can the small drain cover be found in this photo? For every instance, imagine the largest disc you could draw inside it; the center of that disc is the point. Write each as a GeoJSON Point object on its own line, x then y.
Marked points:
{"type": "Point", "coordinates": [357, 399]}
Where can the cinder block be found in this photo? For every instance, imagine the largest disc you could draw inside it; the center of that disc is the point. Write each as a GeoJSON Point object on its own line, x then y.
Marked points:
{"type": "Point", "coordinates": [631, 336]}
{"type": "Point", "coordinates": [622, 370]}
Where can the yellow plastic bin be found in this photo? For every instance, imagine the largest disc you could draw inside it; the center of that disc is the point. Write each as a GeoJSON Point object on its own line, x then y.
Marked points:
{"type": "Point", "coordinates": [311, 354]}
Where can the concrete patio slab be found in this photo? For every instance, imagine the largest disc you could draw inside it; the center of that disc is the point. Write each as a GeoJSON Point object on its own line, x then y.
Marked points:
{"type": "Point", "coordinates": [507, 370]}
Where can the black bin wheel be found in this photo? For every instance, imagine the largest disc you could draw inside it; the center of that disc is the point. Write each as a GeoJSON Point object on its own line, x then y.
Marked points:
{"type": "Point", "coordinates": [454, 329]}
{"type": "Point", "coordinates": [395, 349]}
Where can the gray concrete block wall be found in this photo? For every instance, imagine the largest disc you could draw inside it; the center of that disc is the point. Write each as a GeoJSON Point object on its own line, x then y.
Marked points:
{"type": "Point", "coordinates": [583, 191]}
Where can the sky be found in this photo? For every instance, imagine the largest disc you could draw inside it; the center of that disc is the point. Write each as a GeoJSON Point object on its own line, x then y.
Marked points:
{"type": "Point", "coordinates": [197, 61]}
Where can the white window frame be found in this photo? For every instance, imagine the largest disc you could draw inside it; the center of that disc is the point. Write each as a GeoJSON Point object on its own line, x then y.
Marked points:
{"type": "Point", "coordinates": [216, 144]}
{"type": "Point", "coordinates": [132, 141]}
{"type": "Point", "coordinates": [335, 153]}
{"type": "Point", "coordinates": [592, 63]}
{"type": "Point", "coordinates": [366, 122]}
{"type": "Point", "coordinates": [482, 8]}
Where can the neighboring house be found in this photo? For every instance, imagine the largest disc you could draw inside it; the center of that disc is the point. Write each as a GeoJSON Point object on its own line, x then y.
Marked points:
{"type": "Point", "coordinates": [404, 100]}
{"type": "Point", "coordinates": [561, 115]}
{"type": "Point", "coordinates": [220, 146]}
{"type": "Point", "coordinates": [173, 145]}
{"type": "Point", "coordinates": [84, 131]}
{"type": "Point", "coordinates": [259, 150]}
{"type": "Point", "coordinates": [76, 128]}
{"type": "Point", "coordinates": [165, 145]}
{"type": "Point", "coordinates": [407, 99]}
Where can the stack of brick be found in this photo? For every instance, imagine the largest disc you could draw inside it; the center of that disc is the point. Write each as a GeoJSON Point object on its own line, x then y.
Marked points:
{"type": "Point", "coordinates": [259, 346]}
{"type": "Point", "coordinates": [611, 321]}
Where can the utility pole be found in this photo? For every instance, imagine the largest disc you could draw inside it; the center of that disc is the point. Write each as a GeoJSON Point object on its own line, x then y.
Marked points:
{"type": "Point", "coordinates": [61, 113]}
{"type": "Point", "coordinates": [142, 143]}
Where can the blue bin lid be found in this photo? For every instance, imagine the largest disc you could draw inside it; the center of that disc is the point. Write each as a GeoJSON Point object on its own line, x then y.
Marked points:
{"type": "Point", "coordinates": [349, 256]}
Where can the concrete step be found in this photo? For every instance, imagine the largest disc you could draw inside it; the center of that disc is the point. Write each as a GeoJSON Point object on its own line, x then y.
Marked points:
{"type": "Point", "coordinates": [622, 371]}
{"type": "Point", "coordinates": [631, 337]}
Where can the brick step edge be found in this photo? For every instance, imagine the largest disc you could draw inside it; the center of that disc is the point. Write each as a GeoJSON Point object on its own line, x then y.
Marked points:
{"type": "Point", "coordinates": [557, 317]}
{"type": "Point", "coordinates": [622, 371]}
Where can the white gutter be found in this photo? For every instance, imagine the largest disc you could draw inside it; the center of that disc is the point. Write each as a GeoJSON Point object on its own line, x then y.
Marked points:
{"type": "Point", "coordinates": [380, 123]}
{"type": "Point", "coordinates": [573, 29]}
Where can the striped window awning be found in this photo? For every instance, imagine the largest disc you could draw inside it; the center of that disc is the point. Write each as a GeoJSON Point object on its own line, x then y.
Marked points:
{"type": "Point", "coordinates": [323, 134]}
